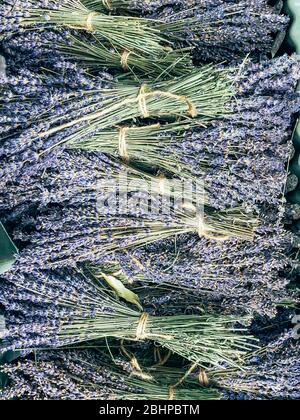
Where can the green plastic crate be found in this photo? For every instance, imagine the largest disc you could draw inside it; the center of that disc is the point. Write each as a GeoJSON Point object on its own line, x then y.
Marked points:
{"type": "Point", "coordinates": [8, 251]}
{"type": "Point", "coordinates": [293, 8]}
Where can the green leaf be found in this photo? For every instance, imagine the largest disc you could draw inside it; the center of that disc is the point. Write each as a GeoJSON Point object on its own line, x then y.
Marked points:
{"type": "Point", "coordinates": [8, 251]}
{"type": "Point", "coordinates": [122, 291]}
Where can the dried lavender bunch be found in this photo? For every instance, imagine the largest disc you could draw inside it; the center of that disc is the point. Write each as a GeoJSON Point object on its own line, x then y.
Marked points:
{"type": "Point", "coordinates": [219, 29]}
{"type": "Point", "coordinates": [82, 375]}
{"type": "Point", "coordinates": [93, 51]}
{"type": "Point", "coordinates": [240, 150]}
{"type": "Point", "coordinates": [94, 54]}
{"type": "Point", "coordinates": [223, 30]}
{"type": "Point", "coordinates": [127, 34]}
{"type": "Point", "coordinates": [59, 308]}
{"type": "Point", "coordinates": [273, 374]}
{"type": "Point", "coordinates": [110, 106]}
{"type": "Point", "coordinates": [175, 98]}
{"type": "Point", "coordinates": [32, 97]}
{"type": "Point", "coordinates": [246, 278]}
{"type": "Point", "coordinates": [129, 210]}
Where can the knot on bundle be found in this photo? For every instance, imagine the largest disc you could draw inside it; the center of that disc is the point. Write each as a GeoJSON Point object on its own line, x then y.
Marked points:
{"type": "Point", "coordinates": [107, 5]}
{"type": "Point", "coordinates": [171, 392]}
{"type": "Point", "coordinates": [142, 326]}
{"type": "Point", "coordinates": [208, 232]}
{"type": "Point", "coordinates": [124, 59]}
{"type": "Point", "coordinates": [123, 150]}
{"type": "Point", "coordinates": [203, 378]}
{"type": "Point", "coordinates": [144, 95]}
{"type": "Point", "coordinates": [122, 143]}
{"type": "Point", "coordinates": [89, 21]}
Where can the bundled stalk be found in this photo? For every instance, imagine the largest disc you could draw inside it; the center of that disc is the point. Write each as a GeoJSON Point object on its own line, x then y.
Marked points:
{"type": "Point", "coordinates": [106, 210]}
{"type": "Point", "coordinates": [48, 89]}
{"type": "Point", "coordinates": [137, 43]}
{"type": "Point", "coordinates": [226, 151]}
{"type": "Point", "coordinates": [54, 309]}
{"type": "Point", "coordinates": [270, 374]}
{"type": "Point", "coordinates": [70, 102]}
{"type": "Point", "coordinates": [219, 30]}
{"type": "Point", "coordinates": [237, 277]}
{"type": "Point", "coordinates": [93, 54]}
{"type": "Point", "coordinates": [203, 93]}
{"type": "Point", "coordinates": [82, 375]}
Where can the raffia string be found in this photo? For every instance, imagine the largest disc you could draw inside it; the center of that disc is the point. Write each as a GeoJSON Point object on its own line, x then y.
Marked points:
{"type": "Point", "coordinates": [124, 59]}
{"type": "Point", "coordinates": [142, 326]}
{"type": "Point", "coordinates": [123, 152]}
{"type": "Point", "coordinates": [204, 230]}
{"type": "Point", "coordinates": [162, 184]}
{"type": "Point", "coordinates": [107, 5]}
{"type": "Point", "coordinates": [143, 95]}
{"type": "Point", "coordinates": [89, 21]}
{"type": "Point", "coordinates": [142, 102]}
{"type": "Point", "coordinates": [171, 393]}
{"type": "Point", "coordinates": [122, 143]}
{"type": "Point", "coordinates": [203, 378]}
{"type": "Point", "coordinates": [136, 368]}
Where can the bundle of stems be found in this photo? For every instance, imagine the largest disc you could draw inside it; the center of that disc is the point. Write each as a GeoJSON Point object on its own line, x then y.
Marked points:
{"type": "Point", "coordinates": [87, 374]}
{"type": "Point", "coordinates": [142, 144]}
{"type": "Point", "coordinates": [94, 53]}
{"type": "Point", "coordinates": [210, 224]}
{"type": "Point", "coordinates": [116, 207]}
{"type": "Point", "coordinates": [125, 32]}
{"type": "Point", "coordinates": [203, 94]}
{"type": "Point", "coordinates": [74, 308]}
{"type": "Point", "coordinates": [83, 235]}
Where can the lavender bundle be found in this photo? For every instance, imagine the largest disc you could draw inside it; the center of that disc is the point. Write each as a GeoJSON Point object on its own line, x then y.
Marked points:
{"type": "Point", "coordinates": [223, 30]}
{"type": "Point", "coordinates": [147, 45]}
{"type": "Point", "coordinates": [60, 308]}
{"type": "Point", "coordinates": [217, 29]}
{"type": "Point", "coordinates": [175, 98]}
{"type": "Point", "coordinates": [239, 150]}
{"type": "Point", "coordinates": [121, 41]}
{"type": "Point", "coordinates": [243, 278]}
{"type": "Point", "coordinates": [101, 217]}
{"type": "Point", "coordinates": [37, 88]}
{"type": "Point", "coordinates": [87, 375]}
{"type": "Point", "coordinates": [105, 106]}
{"type": "Point", "coordinates": [272, 374]}
{"type": "Point", "coordinates": [93, 54]}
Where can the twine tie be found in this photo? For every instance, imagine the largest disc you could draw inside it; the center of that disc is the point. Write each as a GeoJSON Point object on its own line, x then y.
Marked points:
{"type": "Point", "coordinates": [143, 95]}
{"type": "Point", "coordinates": [124, 59]}
{"type": "Point", "coordinates": [89, 21]}
{"type": "Point", "coordinates": [123, 144]}
{"type": "Point", "coordinates": [141, 328]}
{"type": "Point", "coordinates": [107, 5]}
